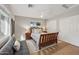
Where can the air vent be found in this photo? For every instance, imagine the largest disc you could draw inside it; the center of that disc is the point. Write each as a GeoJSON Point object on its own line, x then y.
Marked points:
{"type": "Point", "coordinates": [30, 5]}
{"type": "Point", "coordinates": [67, 5]}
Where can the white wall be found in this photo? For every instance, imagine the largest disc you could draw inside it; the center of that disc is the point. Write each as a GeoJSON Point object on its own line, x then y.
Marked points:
{"type": "Point", "coordinates": [68, 28]}
{"type": "Point", "coordinates": [23, 23]}
{"type": "Point", "coordinates": [51, 26]}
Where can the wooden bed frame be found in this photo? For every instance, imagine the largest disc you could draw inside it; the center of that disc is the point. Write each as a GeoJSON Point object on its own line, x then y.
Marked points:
{"type": "Point", "coordinates": [47, 39]}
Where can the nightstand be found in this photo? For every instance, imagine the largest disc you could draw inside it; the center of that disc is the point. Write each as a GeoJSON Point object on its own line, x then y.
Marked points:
{"type": "Point", "coordinates": [28, 36]}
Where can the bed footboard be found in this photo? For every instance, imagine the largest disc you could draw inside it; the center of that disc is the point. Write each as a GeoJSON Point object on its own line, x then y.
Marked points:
{"type": "Point", "coordinates": [48, 39]}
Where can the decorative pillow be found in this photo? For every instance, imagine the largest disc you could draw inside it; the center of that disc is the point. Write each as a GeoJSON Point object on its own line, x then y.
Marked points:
{"type": "Point", "coordinates": [17, 45]}
{"type": "Point", "coordinates": [38, 30]}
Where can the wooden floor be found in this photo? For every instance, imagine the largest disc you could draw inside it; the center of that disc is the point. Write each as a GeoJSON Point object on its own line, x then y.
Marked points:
{"type": "Point", "coordinates": [62, 48]}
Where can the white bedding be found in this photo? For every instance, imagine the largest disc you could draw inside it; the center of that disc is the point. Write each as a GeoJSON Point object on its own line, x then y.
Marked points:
{"type": "Point", "coordinates": [36, 37]}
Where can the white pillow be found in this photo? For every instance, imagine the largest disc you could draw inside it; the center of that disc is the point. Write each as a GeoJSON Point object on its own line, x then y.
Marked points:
{"type": "Point", "coordinates": [17, 45]}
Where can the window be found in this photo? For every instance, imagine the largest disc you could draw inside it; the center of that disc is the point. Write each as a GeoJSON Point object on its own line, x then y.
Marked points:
{"type": "Point", "coordinates": [4, 23]}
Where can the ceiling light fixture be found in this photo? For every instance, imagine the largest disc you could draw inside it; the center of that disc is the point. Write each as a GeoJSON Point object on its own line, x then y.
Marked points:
{"type": "Point", "coordinates": [42, 15]}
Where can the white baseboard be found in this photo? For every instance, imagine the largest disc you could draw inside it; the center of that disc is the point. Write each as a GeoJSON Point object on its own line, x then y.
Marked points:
{"type": "Point", "coordinates": [71, 42]}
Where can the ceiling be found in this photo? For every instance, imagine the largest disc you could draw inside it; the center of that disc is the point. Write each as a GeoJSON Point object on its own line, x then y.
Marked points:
{"type": "Point", "coordinates": [44, 11]}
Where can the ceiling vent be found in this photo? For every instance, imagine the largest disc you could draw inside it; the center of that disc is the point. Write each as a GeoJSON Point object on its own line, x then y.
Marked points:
{"type": "Point", "coordinates": [67, 5]}
{"type": "Point", "coordinates": [30, 5]}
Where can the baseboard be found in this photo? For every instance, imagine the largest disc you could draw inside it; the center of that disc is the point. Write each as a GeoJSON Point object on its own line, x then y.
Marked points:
{"type": "Point", "coordinates": [70, 42]}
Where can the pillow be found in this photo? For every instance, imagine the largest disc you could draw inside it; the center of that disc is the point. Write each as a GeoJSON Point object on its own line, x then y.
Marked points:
{"type": "Point", "coordinates": [17, 45]}
{"type": "Point", "coordinates": [37, 30]}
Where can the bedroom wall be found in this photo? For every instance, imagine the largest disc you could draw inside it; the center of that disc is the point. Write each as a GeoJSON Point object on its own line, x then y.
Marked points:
{"type": "Point", "coordinates": [23, 23]}
{"type": "Point", "coordinates": [68, 28]}
{"type": "Point", "coordinates": [53, 25]}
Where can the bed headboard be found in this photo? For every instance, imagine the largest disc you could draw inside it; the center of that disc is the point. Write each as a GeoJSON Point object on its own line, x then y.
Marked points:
{"type": "Point", "coordinates": [36, 29]}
